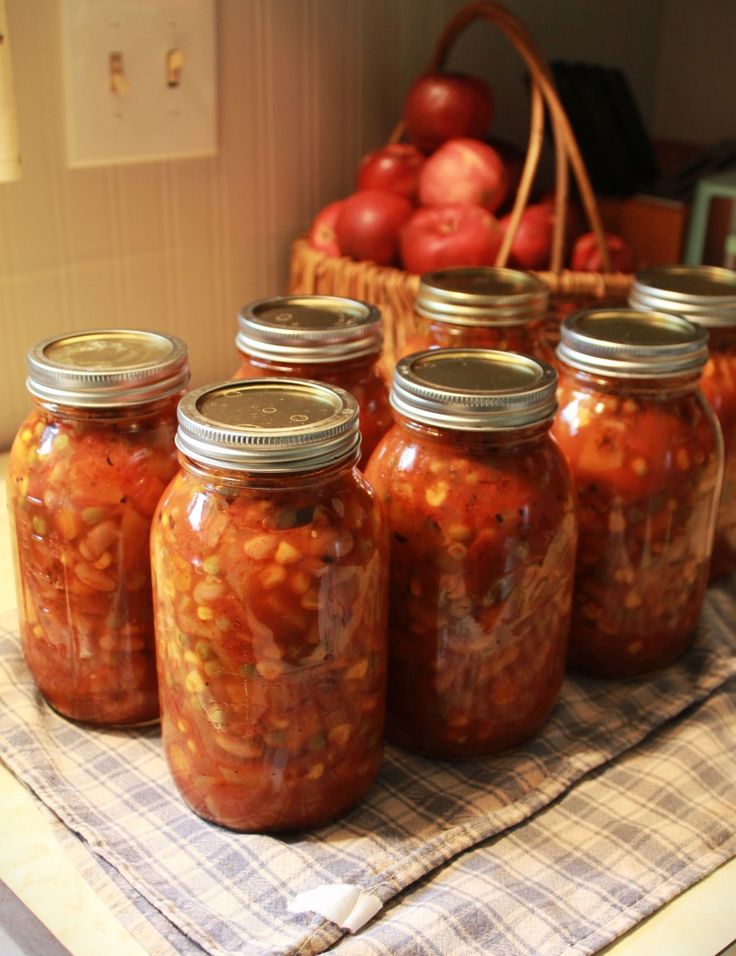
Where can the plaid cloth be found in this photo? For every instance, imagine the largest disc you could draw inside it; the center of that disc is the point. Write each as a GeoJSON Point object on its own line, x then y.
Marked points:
{"type": "Point", "coordinates": [573, 876]}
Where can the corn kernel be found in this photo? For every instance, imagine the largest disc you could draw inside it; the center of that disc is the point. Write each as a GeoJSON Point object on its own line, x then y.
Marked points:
{"type": "Point", "coordinates": [436, 494]}
{"type": "Point", "coordinates": [682, 459]}
{"type": "Point", "coordinates": [272, 575]}
{"type": "Point", "coordinates": [286, 553]}
{"type": "Point", "coordinates": [193, 682]}
{"type": "Point", "coordinates": [205, 613]}
{"type": "Point", "coordinates": [67, 523]}
{"type": "Point", "coordinates": [315, 772]}
{"type": "Point", "coordinates": [179, 760]}
{"type": "Point", "coordinates": [92, 515]}
{"type": "Point", "coordinates": [639, 467]}
{"type": "Point", "coordinates": [299, 582]}
{"type": "Point", "coordinates": [339, 735]}
{"type": "Point", "coordinates": [211, 565]}
{"type": "Point", "coordinates": [624, 575]}
{"type": "Point", "coordinates": [208, 591]}
{"type": "Point", "coordinates": [260, 547]}
{"type": "Point", "coordinates": [270, 669]}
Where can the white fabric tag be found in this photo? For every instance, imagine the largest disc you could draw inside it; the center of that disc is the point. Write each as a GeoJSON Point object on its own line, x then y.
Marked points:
{"type": "Point", "coordinates": [342, 903]}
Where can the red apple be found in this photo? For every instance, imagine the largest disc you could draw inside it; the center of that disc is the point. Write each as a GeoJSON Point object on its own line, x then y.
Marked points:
{"type": "Point", "coordinates": [368, 225]}
{"type": "Point", "coordinates": [322, 231]}
{"type": "Point", "coordinates": [513, 158]}
{"type": "Point", "coordinates": [575, 221]}
{"type": "Point", "coordinates": [442, 106]}
{"type": "Point", "coordinates": [393, 169]}
{"type": "Point", "coordinates": [586, 256]}
{"type": "Point", "coordinates": [456, 235]}
{"type": "Point", "coordinates": [464, 171]}
{"type": "Point", "coordinates": [533, 241]}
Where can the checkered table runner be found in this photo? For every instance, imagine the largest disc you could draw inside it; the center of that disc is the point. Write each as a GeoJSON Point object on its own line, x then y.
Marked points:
{"type": "Point", "coordinates": [551, 876]}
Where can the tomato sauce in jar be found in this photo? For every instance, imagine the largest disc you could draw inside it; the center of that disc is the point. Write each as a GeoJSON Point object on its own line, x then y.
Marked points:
{"type": "Point", "coordinates": [270, 554]}
{"type": "Point", "coordinates": [646, 453]}
{"type": "Point", "coordinates": [86, 471]}
{"type": "Point", "coordinates": [706, 295]}
{"type": "Point", "coordinates": [328, 338]}
{"type": "Point", "coordinates": [482, 307]}
{"type": "Point", "coordinates": [481, 515]}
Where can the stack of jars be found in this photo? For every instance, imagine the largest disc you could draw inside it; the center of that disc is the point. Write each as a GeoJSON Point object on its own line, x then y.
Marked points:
{"type": "Point", "coordinates": [291, 602]}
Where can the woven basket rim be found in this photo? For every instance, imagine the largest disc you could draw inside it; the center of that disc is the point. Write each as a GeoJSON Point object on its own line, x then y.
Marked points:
{"type": "Point", "coordinates": [566, 282]}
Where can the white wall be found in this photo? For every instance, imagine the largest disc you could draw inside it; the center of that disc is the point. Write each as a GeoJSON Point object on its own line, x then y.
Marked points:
{"type": "Point", "coordinates": [306, 87]}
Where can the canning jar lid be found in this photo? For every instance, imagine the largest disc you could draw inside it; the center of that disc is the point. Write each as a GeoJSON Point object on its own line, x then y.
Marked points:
{"type": "Point", "coordinates": [626, 343]}
{"type": "Point", "coordinates": [268, 425]}
{"type": "Point", "coordinates": [482, 295]}
{"type": "Point", "coordinates": [309, 329]}
{"type": "Point", "coordinates": [474, 389]}
{"type": "Point", "coordinates": [105, 368]}
{"type": "Point", "coordinates": [703, 294]}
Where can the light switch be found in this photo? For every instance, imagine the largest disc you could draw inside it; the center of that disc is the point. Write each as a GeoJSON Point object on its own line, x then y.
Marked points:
{"type": "Point", "coordinates": [139, 80]}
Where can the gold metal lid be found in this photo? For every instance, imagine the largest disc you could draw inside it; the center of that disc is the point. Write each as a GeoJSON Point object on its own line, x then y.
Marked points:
{"type": "Point", "coordinates": [482, 295]}
{"type": "Point", "coordinates": [268, 425]}
{"type": "Point", "coordinates": [703, 294]}
{"type": "Point", "coordinates": [626, 343]}
{"type": "Point", "coordinates": [474, 389]}
{"type": "Point", "coordinates": [309, 329]}
{"type": "Point", "coordinates": [104, 368]}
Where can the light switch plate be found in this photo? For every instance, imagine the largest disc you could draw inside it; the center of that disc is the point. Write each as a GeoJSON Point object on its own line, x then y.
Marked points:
{"type": "Point", "coordinates": [139, 80]}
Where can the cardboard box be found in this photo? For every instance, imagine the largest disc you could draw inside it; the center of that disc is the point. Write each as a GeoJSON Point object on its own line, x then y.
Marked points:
{"type": "Point", "coordinates": [654, 228]}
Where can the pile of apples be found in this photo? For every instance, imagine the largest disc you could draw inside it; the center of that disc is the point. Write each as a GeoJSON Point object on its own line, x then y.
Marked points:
{"type": "Point", "coordinates": [438, 200]}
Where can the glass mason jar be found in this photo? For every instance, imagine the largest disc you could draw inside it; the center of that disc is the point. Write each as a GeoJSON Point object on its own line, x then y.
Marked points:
{"type": "Point", "coordinates": [269, 554]}
{"type": "Point", "coordinates": [328, 338]}
{"type": "Point", "coordinates": [481, 515]}
{"type": "Point", "coordinates": [647, 457]}
{"type": "Point", "coordinates": [482, 307]}
{"type": "Point", "coordinates": [706, 295]}
{"type": "Point", "coordinates": [86, 471]}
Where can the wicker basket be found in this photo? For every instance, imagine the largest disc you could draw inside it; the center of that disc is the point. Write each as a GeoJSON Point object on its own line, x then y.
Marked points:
{"type": "Point", "coordinates": [394, 291]}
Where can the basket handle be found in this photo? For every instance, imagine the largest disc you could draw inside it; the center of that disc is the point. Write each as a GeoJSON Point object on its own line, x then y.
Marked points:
{"type": "Point", "coordinates": [543, 93]}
